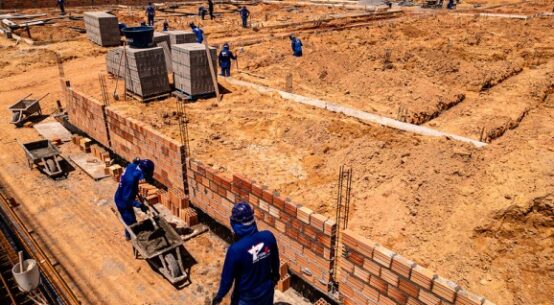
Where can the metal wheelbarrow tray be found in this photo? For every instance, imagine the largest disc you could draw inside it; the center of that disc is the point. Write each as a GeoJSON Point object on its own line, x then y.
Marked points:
{"type": "Point", "coordinates": [154, 240]}
{"type": "Point", "coordinates": [43, 151]}
{"type": "Point", "coordinates": [24, 109]}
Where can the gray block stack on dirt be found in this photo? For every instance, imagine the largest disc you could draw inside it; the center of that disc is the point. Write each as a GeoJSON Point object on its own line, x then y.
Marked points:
{"type": "Point", "coordinates": [178, 36]}
{"type": "Point", "coordinates": [102, 28]}
{"type": "Point", "coordinates": [147, 73]}
{"type": "Point", "coordinates": [114, 62]}
{"type": "Point", "coordinates": [159, 37]}
{"type": "Point", "coordinates": [191, 71]}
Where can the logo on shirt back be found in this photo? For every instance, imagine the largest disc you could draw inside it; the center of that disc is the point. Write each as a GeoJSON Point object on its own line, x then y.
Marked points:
{"type": "Point", "coordinates": [259, 252]}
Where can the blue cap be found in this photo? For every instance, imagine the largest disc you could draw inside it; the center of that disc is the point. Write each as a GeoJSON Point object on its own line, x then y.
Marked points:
{"type": "Point", "coordinates": [242, 213]}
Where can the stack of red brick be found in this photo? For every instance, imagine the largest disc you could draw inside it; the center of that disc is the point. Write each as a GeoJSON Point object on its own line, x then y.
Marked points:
{"type": "Point", "coordinates": [178, 203]}
{"type": "Point", "coordinates": [131, 138]}
{"type": "Point", "coordinates": [305, 238]}
{"type": "Point", "coordinates": [19, 4]}
{"type": "Point", "coordinates": [371, 274]}
{"type": "Point", "coordinates": [284, 282]}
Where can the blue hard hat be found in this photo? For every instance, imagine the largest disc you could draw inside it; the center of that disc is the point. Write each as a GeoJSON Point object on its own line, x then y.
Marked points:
{"type": "Point", "coordinates": [242, 213]}
{"type": "Point", "coordinates": [147, 168]}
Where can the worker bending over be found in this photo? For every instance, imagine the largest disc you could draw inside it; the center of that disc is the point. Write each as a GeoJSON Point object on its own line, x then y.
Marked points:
{"type": "Point", "coordinates": [252, 262]}
{"type": "Point", "coordinates": [296, 45]}
{"type": "Point", "coordinates": [225, 57]}
{"type": "Point", "coordinates": [150, 13]}
{"type": "Point", "coordinates": [198, 32]}
{"type": "Point", "coordinates": [244, 14]}
{"type": "Point", "coordinates": [126, 195]}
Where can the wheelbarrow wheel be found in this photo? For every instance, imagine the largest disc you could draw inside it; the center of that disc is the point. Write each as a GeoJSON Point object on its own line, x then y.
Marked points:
{"type": "Point", "coordinates": [172, 265]}
{"type": "Point", "coordinates": [51, 165]}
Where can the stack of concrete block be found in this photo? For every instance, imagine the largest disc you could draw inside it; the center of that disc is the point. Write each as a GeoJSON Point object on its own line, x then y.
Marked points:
{"type": "Point", "coordinates": [177, 37]}
{"type": "Point", "coordinates": [146, 72]}
{"type": "Point", "coordinates": [114, 62]}
{"type": "Point", "coordinates": [191, 70]}
{"type": "Point", "coordinates": [102, 28]}
{"type": "Point", "coordinates": [159, 37]}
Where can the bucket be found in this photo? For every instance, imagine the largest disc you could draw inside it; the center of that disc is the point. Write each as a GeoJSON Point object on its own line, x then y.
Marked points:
{"type": "Point", "coordinates": [29, 278]}
{"type": "Point", "coordinates": [139, 37]}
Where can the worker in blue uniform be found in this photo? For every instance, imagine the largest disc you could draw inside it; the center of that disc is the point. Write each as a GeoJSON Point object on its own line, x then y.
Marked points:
{"type": "Point", "coordinates": [61, 4]}
{"type": "Point", "coordinates": [127, 190]}
{"type": "Point", "coordinates": [202, 11]}
{"type": "Point", "coordinates": [252, 262]}
{"type": "Point", "coordinates": [198, 32]}
{"type": "Point", "coordinates": [244, 14]}
{"type": "Point", "coordinates": [225, 57]}
{"type": "Point", "coordinates": [211, 9]}
{"type": "Point", "coordinates": [150, 13]}
{"type": "Point", "coordinates": [296, 45]}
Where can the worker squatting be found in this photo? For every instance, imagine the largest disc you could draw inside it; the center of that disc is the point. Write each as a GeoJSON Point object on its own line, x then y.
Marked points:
{"type": "Point", "coordinates": [251, 264]}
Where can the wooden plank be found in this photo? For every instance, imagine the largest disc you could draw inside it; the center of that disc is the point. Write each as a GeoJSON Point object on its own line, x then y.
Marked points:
{"type": "Point", "coordinates": [96, 169]}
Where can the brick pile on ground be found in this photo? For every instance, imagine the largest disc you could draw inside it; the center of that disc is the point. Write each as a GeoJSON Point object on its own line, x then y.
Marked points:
{"type": "Point", "coordinates": [191, 69]}
{"type": "Point", "coordinates": [147, 73]}
{"type": "Point", "coordinates": [102, 28]}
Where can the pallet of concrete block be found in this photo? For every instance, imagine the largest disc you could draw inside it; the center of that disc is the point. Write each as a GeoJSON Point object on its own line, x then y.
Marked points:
{"type": "Point", "coordinates": [159, 39]}
{"type": "Point", "coordinates": [191, 71]}
{"type": "Point", "coordinates": [114, 62]}
{"type": "Point", "coordinates": [102, 28]}
{"type": "Point", "coordinates": [178, 36]}
{"type": "Point", "coordinates": [161, 36]}
{"type": "Point", "coordinates": [146, 74]}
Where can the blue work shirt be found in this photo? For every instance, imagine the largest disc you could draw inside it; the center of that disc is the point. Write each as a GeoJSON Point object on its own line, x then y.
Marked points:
{"type": "Point", "coordinates": [244, 13]}
{"type": "Point", "coordinates": [199, 34]}
{"type": "Point", "coordinates": [252, 263]}
{"type": "Point", "coordinates": [225, 57]}
{"type": "Point", "coordinates": [127, 189]}
{"type": "Point", "coordinates": [296, 45]}
{"type": "Point", "coordinates": [150, 10]}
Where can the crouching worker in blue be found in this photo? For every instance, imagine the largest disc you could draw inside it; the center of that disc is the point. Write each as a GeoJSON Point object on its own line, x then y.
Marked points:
{"type": "Point", "coordinates": [225, 57]}
{"type": "Point", "coordinates": [197, 31]}
{"type": "Point", "coordinates": [252, 262]}
{"type": "Point", "coordinates": [296, 46]}
{"type": "Point", "coordinates": [127, 190]}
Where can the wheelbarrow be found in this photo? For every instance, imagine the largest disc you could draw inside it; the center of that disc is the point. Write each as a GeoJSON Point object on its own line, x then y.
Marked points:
{"type": "Point", "coordinates": [156, 241]}
{"type": "Point", "coordinates": [24, 109]}
{"type": "Point", "coordinates": [45, 153]}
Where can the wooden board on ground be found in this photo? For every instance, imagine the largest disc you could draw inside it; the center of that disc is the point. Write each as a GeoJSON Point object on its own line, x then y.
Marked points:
{"type": "Point", "coordinates": [52, 131]}
{"type": "Point", "coordinates": [90, 165]}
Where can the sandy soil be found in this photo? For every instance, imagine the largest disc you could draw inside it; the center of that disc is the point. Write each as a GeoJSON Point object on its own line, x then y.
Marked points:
{"type": "Point", "coordinates": [480, 217]}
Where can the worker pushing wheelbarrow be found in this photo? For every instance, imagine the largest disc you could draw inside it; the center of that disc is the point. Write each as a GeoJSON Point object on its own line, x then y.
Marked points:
{"type": "Point", "coordinates": [153, 239]}
{"type": "Point", "coordinates": [24, 109]}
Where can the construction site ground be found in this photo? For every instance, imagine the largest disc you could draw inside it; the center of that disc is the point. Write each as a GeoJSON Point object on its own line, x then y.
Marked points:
{"type": "Point", "coordinates": [481, 217]}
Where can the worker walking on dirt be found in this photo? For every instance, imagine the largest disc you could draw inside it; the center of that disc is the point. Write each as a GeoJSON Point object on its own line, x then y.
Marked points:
{"type": "Point", "coordinates": [296, 45]}
{"type": "Point", "coordinates": [198, 32]}
{"type": "Point", "coordinates": [127, 190]}
{"type": "Point", "coordinates": [225, 57]}
{"type": "Point", "coordinates": [61, 4]}
{"type": "Point", "coordinates": [244, 14]}
{"type": "Point", "coordinates": [211, 9]}
{"type": "Point", "coordinates": [202, 11]}
{"type": "Point", "coordinates": [166, 26]}
{"type": "Point", "coordinates": [252, 262]}
{"type": "Point", "coordinates": [150, 13]}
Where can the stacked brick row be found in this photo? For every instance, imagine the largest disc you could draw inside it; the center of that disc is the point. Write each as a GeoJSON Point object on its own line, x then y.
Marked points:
{"type": "Point", "coordinates": [191, 70]}
{"type": "Point", "coordinates": [102, 28]}
{"type": "Point", "coordinates": [371, 274]}
{"type": "Point", "coordinates": [159, 37]}
{"type": "Point", "coordinates": [177, 202]}
{"type": "Point", "coordinates": [131, 138]}
{"type": "Point", "coordinates": [115, 64]}
{"type": "Point", "coordinates": [305, 238]}
{"type": "Point", "coordinates": [19, 4]}
{"type": "Point", "coordinates": [179, 36]}
{"type": "Point", "coordinates": [87, 114]}
{"type": "Point", "coordinates": [146, 72]}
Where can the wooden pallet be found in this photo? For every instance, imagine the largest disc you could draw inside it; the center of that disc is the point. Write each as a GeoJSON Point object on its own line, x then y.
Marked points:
{"type": "Point", "coordinates": [148, 98]}
{"type": "Point", "coordinates": [185, 96]}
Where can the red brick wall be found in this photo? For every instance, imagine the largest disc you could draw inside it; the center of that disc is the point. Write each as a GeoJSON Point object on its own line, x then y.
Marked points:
{"type": "Point", "coordinates": [131, 138]}
{"type": "Point", "coordinates": [371, 274]}
{"type": "Point", "coordinates": [87, 114]}
{"type": "Point", "coordinates": [52, 3]}
{"type": "Point", "coordinates": [305, 238]}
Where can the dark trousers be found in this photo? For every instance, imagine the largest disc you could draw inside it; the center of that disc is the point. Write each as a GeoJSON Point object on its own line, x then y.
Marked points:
{"type": "Point", "coordinates": [62, 8]}
{"type": "Point", "coordinates": [128, 217]}
{"type": "Point", "coordinates": [212, 14]}
{"type": "Point", "coordinates": [297, 53]}
{"type": "Point", "coordinates": [226, 72]}
{"type": "Point", "coordinates": [244, 22]}
{"type": "Point", "coordinates": [150, 20]}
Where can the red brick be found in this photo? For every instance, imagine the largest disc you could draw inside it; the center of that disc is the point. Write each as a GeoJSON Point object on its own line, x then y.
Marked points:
{"type": "Point", "coordinates": [303, 214]}
{"type": "Point", "coordinates": [291, 208]}
{"type": "Point", "coordinates": [257, 190]}
{"type": "Point", "coordinates": [428, 298]}
{"type": "Point", "coordinates": [318, 221]}
{"type": "Point", "coordinates": [370, 293]}
{"type": "Point", "coordinates": [242, 182]}
{"type": "Point", "coordinates": [278, 201]}
{"type": "Point", "coordinates": [267, 196]}
{"type": "Point", "coordinates": [445, 289]}
{"type": "Point", "coordinates": [361, 274]}
{"type": "Point", "coordinates": [412, 301]}
{"type": "Point", "coordinates": [422, 276]}
{"type": "Point", "coordinates": [372, 267]}
{"type": "Point", "coordinates": [396, 294]}
{"type": "Point", "coordinates": [402, 265]}
{"type": "Point", "coordinates": [356, 258]}
{"type": "Point", "coordinates": [284, 284]}
{"type": "Point", "coordinates": [389, 276]}
{"type": "Point", "coordinates": [408, 287]}
{"type": "Point", "coordinates": [383, 256]}
{"type": "Point", "coordinates": [467, 298]}
{"type": "Point", "coordinates": [378, 284]}
{"type": "Point", "coordinates": [383, 300]}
